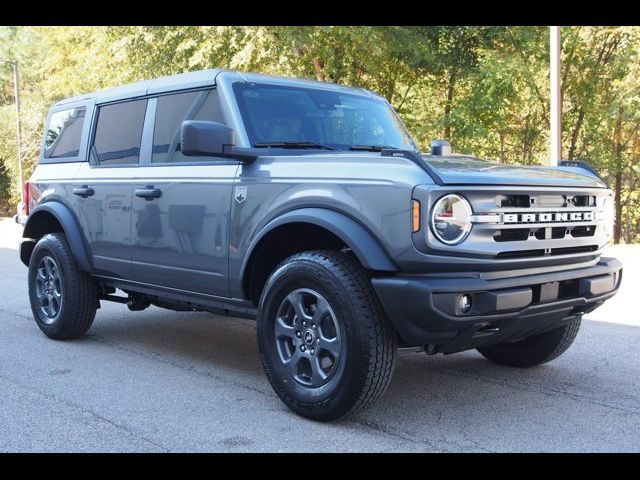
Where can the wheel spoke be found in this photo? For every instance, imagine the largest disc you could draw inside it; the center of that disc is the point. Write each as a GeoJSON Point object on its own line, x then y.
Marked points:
{"type": "Point", "coordinates": [317, 374]}
{"type": "Point", "coordinates": [296, 301]}
{"type": "Point", "coordinates": [292, 363]}
{"type": "Point", "coordinates": [284, 330]}
{"type": "Point", "coordinates": [47, 266]}
{"type": "Point", "coordinates": [40, 289]}
{"type": "Point", "coordinates": [322, 309]}
{"type": "Point", "coordinates": [330, 345]}
{"type": "Point", "coordinates": [50, 309]}
{"type": "Point", "coordinates": [42, 275]}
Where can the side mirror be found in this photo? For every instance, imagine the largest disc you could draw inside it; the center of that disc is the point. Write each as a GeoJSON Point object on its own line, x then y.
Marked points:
{"type": "Point", "coordinates": [205, 138]}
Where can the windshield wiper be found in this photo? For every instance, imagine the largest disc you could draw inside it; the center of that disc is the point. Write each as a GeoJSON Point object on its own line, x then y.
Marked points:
{"type": "Point", "coordinates": [292, 145]}
{"type": "Point", "coordinates": [372, 148]}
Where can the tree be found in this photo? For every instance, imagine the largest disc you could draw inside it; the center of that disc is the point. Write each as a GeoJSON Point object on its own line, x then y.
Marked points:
{"type": "Point", "coordinates": [484, 88]}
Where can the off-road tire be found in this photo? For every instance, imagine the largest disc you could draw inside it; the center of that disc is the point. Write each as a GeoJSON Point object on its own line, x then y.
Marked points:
{"type": "Point", "coordinates": [534, 350]}
{"type": "Point", "coordinates": [79, 291]}
{"type": "Point", "coordinates": [365, 369]}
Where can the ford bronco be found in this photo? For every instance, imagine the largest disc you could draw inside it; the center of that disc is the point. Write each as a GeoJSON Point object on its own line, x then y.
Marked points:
{"type": "Point", "coordinates": [308, 207]}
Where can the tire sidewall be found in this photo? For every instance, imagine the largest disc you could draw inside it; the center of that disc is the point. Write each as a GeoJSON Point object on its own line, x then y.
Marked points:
{"type": "Point", "coordinates": [345, 381]}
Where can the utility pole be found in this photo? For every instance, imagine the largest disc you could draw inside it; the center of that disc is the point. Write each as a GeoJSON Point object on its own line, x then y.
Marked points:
{"type": "Point", "coordinates": [16, 85]}
{"type": "Point", "coordinates": [556, 97]}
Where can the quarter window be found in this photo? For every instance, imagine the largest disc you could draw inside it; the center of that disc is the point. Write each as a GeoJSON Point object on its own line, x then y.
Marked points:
{"type": "Point", "coordinates": [171, 111]}
{"type": "Point", "coordinates": [119, 132]}
{"type": "Point", "coordinates": [64, 132]}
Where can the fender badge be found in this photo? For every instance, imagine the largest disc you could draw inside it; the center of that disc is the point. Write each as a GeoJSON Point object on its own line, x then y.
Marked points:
{"type": "Point", "coordinates": [240, 194]}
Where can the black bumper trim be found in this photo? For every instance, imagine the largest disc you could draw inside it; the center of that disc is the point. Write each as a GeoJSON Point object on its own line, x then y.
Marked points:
{"type": "Point", "coordinates": [409, 302]}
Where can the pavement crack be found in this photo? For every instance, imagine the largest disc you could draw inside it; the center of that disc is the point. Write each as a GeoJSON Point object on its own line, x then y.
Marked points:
{"type": "Point", "coordinates": [190, 368]}
{"type": "Point", "coordinates": [605, 362]}
{"type": "Point", "coordinates": [395, 433]}
{"type": "Point", "coordinates": [86, 411]}
{"type": "Point", "coordinates": [514, 384]}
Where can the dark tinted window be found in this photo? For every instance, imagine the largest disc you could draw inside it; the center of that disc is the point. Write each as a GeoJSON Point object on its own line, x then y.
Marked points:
{"type": "Point", "coordinates": [119, 132]}
{"type": "Point", "coordinates": [171, 111]}
{"type": "Point", "coordinates": [64, 133]}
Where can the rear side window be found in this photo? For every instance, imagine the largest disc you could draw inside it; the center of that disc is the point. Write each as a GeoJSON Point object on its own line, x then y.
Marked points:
{"type": "Point", "coordinates": [64, 132]}
{"type": "Point", "coordinates": [171, 111]}
{"type": "Point", "coordinates": [119, 132]}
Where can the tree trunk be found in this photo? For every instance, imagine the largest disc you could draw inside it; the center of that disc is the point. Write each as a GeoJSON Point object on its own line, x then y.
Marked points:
{"type": "Point", "coordinates": [575, 134]}
{"type": "Point", "coordinates": [318, 65]}
{"type": "Point", "coordinates": [617, 230]}
{"type": "Point", "coordinates": [447, 106]}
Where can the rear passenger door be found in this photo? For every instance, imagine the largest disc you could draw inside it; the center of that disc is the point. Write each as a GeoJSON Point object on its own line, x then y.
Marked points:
{"type": "Point", "coordinates": [102, 188]}
{"type": "Point", "coordinates": [181, 204]}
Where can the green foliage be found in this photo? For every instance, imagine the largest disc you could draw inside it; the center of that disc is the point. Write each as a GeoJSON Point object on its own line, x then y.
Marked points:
{"type": "Point", "coordinates": [484, 88]}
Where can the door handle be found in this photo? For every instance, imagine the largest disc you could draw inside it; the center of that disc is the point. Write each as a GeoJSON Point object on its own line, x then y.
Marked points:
{"type": "Point", "coordinates": [84, 191]}
{"type": "Point", "coordinates": [149, 192]}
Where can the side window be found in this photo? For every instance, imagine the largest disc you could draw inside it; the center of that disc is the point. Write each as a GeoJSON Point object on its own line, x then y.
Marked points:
{"type": "Point", "coordinates": [171, 111]}
{"type": "Point", "coordinates": [118, 133]}
{"type": "Point", "coordinates": [62, 138]}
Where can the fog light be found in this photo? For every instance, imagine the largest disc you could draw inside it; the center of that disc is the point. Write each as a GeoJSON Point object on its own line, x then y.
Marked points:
{"type": "Point", "coordinates": [464, 303]}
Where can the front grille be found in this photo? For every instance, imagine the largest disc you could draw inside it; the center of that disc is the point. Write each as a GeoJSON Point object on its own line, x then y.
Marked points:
{"type": "Point", "coordinates": [511, 222]}
{"type": "Point", "coordinates": [543, 216]}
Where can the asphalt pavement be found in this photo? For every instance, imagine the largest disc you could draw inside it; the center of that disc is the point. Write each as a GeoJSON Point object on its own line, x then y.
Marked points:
{"type": "Point", "coordinates": [159, 381]}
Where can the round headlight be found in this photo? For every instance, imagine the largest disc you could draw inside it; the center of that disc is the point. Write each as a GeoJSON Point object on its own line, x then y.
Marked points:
{"type": "Point", "coordinates": [608, 214]}
{"type": "Point", "coordinates": [451, 219]}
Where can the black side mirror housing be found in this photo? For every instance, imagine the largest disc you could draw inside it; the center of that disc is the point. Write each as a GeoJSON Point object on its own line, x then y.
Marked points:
{"type": "Point", "coordinates": [203, 138]}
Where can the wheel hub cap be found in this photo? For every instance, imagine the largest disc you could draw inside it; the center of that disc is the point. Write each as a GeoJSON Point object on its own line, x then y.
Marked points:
{"type": "Point", "coordinates": [309, 337]}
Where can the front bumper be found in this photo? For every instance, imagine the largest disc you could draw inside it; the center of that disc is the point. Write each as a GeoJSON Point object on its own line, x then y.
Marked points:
{"type": "Point", "coordinates": [424, 309]}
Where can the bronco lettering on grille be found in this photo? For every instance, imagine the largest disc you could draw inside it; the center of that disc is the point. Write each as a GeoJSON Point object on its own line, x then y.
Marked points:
{"type": "Point", "coordinates": [542, 217]}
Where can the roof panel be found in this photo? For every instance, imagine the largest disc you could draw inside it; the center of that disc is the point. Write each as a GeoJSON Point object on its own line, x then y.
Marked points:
{"type": "Point", "coordinates": [186, 80]}
{"type": "Point", "coordinates": [197, 79]}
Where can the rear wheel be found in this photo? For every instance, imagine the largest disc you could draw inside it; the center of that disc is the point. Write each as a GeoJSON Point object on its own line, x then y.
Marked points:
{"type": "Point", "coordinates": [63, 298]}
{"type": "Point", "coordinates": [325, 343]}
{"type": "Point", "coordinates": [534, 350]}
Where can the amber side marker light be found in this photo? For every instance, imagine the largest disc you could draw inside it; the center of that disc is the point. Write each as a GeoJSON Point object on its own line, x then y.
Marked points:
{"type": "Point", "coordinates": [415, 215]}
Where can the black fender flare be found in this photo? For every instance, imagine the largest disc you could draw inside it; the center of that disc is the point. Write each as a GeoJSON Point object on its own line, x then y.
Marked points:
{"type": "Point", "coordinates": [363, 244]}
{"type": "Point", "coordinates": [70, 226]}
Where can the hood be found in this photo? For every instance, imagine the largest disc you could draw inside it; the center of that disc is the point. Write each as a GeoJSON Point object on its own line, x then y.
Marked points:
{"type": "Point", "coordinates": [467, 170]}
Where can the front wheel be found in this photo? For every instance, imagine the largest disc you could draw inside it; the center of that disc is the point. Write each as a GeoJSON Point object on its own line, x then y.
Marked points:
{"type": "Point", "coordinates": [325, 343]}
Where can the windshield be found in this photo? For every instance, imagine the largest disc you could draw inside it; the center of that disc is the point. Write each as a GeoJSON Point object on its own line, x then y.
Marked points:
{"type": "Point", "coordinates": [281, 116]}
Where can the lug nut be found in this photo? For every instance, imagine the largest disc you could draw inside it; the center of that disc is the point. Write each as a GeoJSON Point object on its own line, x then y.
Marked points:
{"type": "Point", "coordinates": [304, 324]}
{"type": "Point", "coordinates": [314, 326]}
{"type": "Point", "coordinates": [313, 351]}
{"type": "Point", "coordinates": [302, 348]}
{"type": "Point", "coordinates": [318, 341]}
{"type": "Point", "coordinates": [298, 334]}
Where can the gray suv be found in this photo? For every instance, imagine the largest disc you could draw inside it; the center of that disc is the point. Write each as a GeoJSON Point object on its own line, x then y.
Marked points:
{"type": "Point", "coordinates": [308, 207]}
